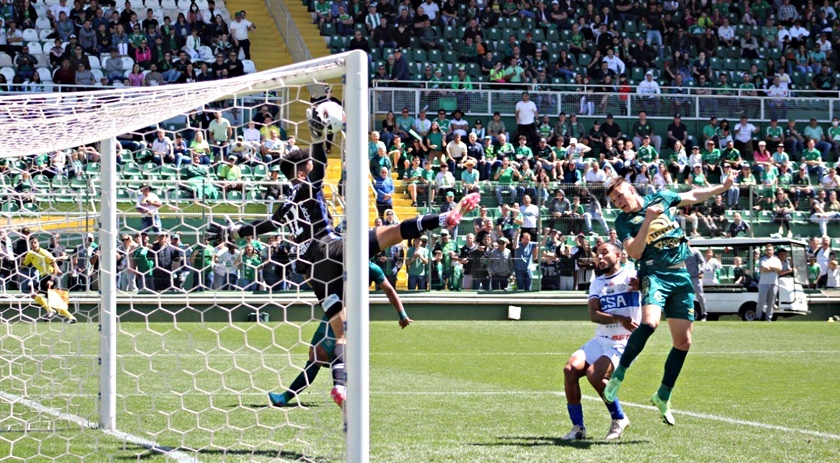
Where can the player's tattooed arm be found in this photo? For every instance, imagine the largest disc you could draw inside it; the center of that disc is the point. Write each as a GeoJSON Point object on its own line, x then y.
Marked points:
{"type": "Point", "coordinates": [604, 318]}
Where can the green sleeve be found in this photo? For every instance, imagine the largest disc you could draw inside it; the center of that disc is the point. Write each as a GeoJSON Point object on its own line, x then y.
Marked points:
{"type": "Point", "coordinates": [671, 198]}
{"type": "Point", "coordinates": [622, 231]}
{"type": "Point", "coordinates": [376, 274]}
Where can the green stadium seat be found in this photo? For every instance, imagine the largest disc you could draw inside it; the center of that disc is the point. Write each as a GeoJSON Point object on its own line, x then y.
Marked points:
{"type": "Point", "coordinates": [169, 171]}
{"type": "Point", "coordinates": [260, 171]}
{"type": "Point", "coordinates": [493, 33]}
{"type": "Point", "coordinates": [553, 36]}
{"type": "Point", "coordinates": [123, 196]}
{"type": "Point", "coordinates": [247, 172]}
{"type": "Point", "coordinates": [92, 168]}
{"type": "Point", "coordinates": [234, 195]}
{"type": "Point", "coordinates": [79, 182]}
{"type": "Point", "coordinates": [131, 168]}
{"type": "Point", "coordinates": [60, 181]}
{"type": "Point", "coordinates": [450, 56]}
{"type": "Point", "coordinates": [328, 30]}
{"type": "Point", "coordinates": [10, 207]}
{"type": "Point", "coordinates": [40, 181]}
{"type": "Point", "coordinates": [31, 208]}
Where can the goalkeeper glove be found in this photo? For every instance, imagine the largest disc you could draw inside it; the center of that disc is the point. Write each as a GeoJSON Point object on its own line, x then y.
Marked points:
{"type": "Point", "coordinates": [316, 126]}
{"type": "Point", "coordinates": [217, 233]}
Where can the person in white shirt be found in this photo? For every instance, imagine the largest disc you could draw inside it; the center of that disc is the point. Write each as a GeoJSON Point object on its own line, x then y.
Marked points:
{"type": "Point", "coordinates": [595, 174]}
{"type": "Point", "coordinates": [239, 30]}
{"type": "Point", "coordinates": [162, 148]}
{"type": "Point", "coordinates": [614, 63]}
{"type": "Point", "coordinates": [575, 152]}
{"type": "Point", "coordinates": [798, 33]}
{"type": "Point", "coordinates": [455, 152]}
{"type": "Point", "coordinates": [769, 266]}
{"type": "Point", "coordinates": [421, 124]}
{"type": "Point", "coordinates": [649, 89]}
{"type": "Point", "coordinates": [726, 33]}
{"type": "Point", "coordinates": [431, 10]}
{"type": "Point", "coordinates": [530, 214]}
{"type": "Point", "coordinates": [251, 134]}
{"type": "Point", "coordinates": [444, 180]}
{"type": "Point", "coordinates": [743, 136]}
{"type": "Point", "coordinates": [825, 45]}
{"type": "Point", "coordinates": [225, 267]}
{"type": "Point", "coordinates": [147, 205]}
{"type": "Point", "coordinates": [61, 7]}
{"type": "Point", "coordinates": [526, 119]}
{"type": "Point", "coordinates": [710, 268]}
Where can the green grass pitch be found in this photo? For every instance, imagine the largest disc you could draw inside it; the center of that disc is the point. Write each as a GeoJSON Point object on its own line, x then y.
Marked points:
{"type": "Point", "coordinates": [441, 392]}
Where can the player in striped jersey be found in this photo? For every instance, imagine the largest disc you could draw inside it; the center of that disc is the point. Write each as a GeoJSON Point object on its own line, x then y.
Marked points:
{"type": "Point", "coordinates": [615, 305]}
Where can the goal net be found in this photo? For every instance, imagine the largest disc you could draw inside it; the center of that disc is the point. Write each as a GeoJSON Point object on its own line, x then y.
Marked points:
{"type": "Point", "coordinates": [147, 342]}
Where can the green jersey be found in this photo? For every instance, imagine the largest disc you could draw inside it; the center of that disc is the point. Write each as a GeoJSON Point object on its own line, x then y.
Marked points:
{"type": "Point", "coordinates": [417, 267]}
{"type": "Point", "coordinates": [523, 153]}
{"type": "Point", "coordinates": [666, 242]}
{"type": "Point", "coordinates": [711, 157]}
{"type": "Point", "coordinates": [545, 130]}
{"type": "Point", "coordinates": [834, 134]}
{"type": "Point", "coordinates": [811, 155]}
{"type": "Point", "coordinates": [709, 131]}
{"type": "Point", "coordinates": [413, 175]}
{"type": "Point", "coordinates": [428, 175]}
{"type": "Point", "coordinates": [698, 179]}
{"type": "Point", "coordinates": [144, 259]}
{"type": "Point", "coordinates": [506, 150]}
{"type": "Point", "coordinates": [250, 265]}
{"type": "Point", "coordinates": [785, 179]}
{"type": "Point", "coordinates": [769, 176]}
{"type": "Point", "coordinates": [506, 176]}
{"type": "Point", "coordinates": [774, 132]}
{"type": "Point", "coordinates": [490, 152]}
{"type": "Point", "coordinates": [647, 153]}
{"type": "Point", "coordinates": [733, 155]}
{"type": "Point", "coordinates": [813, 273]}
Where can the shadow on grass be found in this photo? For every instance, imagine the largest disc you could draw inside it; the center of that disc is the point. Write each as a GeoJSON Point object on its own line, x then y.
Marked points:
{"type": "Point", "coordinates": [261, 405]}
{"type": "Point", "coordinates": [284, 455]}
{"type": "Point", "coordinates": [541, 441]}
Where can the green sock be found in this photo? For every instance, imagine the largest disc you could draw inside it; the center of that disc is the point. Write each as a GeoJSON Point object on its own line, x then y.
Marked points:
{"type": "Point", "coordinates": [634, 347]}
{"type": "Point", "coordinates": [673, 365]}
{"type": "Point", "coordinates": [619, 373]}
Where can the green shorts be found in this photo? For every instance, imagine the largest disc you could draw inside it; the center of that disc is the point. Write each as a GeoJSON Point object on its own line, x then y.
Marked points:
{"type": "Point", "coordinates": [670, 289]}
{"type": "Point", "coordinates": [324, 337]}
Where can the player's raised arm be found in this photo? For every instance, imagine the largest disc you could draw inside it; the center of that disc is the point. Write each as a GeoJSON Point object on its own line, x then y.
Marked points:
{"type": "Point", "coordinates": [635, 245]}
{"type": "Point", "coordinates": [699, 195]}
{"type": "Point", "coordinates": [396, 303]}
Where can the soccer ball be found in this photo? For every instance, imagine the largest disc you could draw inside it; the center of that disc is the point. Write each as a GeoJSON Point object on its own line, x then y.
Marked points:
{"type": "Point", "coordinates": [328, 117]}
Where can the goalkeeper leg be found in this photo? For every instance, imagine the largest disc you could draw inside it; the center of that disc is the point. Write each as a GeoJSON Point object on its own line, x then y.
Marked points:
{"type": "Point", "coordinates": [318, 357]}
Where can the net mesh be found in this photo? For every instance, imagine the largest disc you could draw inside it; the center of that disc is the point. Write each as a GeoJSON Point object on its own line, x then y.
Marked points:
{"type": "Point", "coordinates": [204, 334]}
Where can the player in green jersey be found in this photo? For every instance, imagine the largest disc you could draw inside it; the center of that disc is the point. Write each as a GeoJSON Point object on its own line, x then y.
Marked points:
{"type": "Point", "coordinates": [650, 234]}
{"type": "Point", "coordinates": [322, 346]}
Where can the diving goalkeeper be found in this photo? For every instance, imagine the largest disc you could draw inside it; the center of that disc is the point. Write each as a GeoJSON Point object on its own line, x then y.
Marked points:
{"type": "Point", "coordinates": [44, 262]}
{"type": "Point", "coordinates": [320, 249]}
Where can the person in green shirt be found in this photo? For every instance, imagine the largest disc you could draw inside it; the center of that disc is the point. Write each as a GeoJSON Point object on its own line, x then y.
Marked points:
{"type": "Point", "coordinates": [381, 160]}
{"type": "Point", "coordinates": [523, 154]}
{"type": "Point", "coordinates": [504, 181]}
{"type": "Point", "coordinates": [725, 87]}
{"type": "Point", "coordinates": [248, 262]}
{"type": "Point", "coordinates": [773, 134]}
{"type": "Point", "coordinates": [731, 155]}
{"type": "Point", "coordinates": [813, 272]}
{"type": "Point", "coordinates": [812, 158]}
{"type": "Point", "coordinates": [416, 181]}
{"type": "Point", "coordinates": [711, 159]}
{"type": "Point", "coordinates": [461, 81]}
{"type": "Point", "coordinates": [144, 263]}
{"type": "Point", "coordinates": [647, 153]}
{"type": "Point", "coordinates": [202, 260]}
{"type": "Point", "coordinates": [469, 177]}
{"type": "Point", "coordinates": [442, 122]}
{"type": "Point", "coordinates": [417, 261]}
{"type": "Point", "coordinates": [447, 247]}
{"type": "Point", "coordinates": [488, 163]}
{"type": "Point", "coordinates": [322, 12]}
{"type": "Point", "coordinates": [710, 132]}
{"type": "Point", "coordinates": [504, 148]}
{"type": "Point", "coordinates": [404, 123]}
{"type": "Point", "coordinates": [834, 136]}
{"type": "Point", "coordinates": [231, 175]}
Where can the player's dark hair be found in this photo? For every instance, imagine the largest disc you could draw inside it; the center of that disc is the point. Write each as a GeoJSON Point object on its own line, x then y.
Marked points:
{"type": "Point", "coordinates": [616, 181]}
{"type": "Point", "coordinates": [290, 163]}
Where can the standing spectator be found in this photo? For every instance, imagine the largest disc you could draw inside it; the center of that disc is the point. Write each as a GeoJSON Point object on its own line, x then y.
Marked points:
{"type": "Point", "coordinates": [584, 263]}
{"type": "Point", "coordinates": [59, 252]}
{"type": "Point", "coordinates": [710, 267]}
{"type": "Point", "coordinates": [678, 132]}
{"type": "Point", "coordinates": [147, 205]}
{"type": "Point", "coordinates": [143, 260]}
{"type": "Point", "coordinates": [499, 265]}
{"type": "Point", "coordinates": [592, 207]}
{"type": "Point", "coordinates": [815, 132]}
{"type": "Point", "coordinates": [220, 134]}
{"type": "Point", "coordinates": [743, 135]}
{"type": "Point", "coordinates": [530, 215]}
{"type": "Point", "coordinates": [694, 264]}
{"type": "Point", "coordinates": [417, 261]}
{"type": "Point", "coordinates": [166, 258]}
{"type": "Point", "coordinates": [770, 267]}
{"type": "Point", "coordinates": [239, 30]}
{"type": "Point", "coordinates": [202, 260]}
{"type": "Point", "coordinates": [249, 262]}
{"type": "Point", "coordinates": [566, 265]}
{"type": "Point", "coordinates": [465, 258]}
{"type": "Point", "coordinates": [122, 261]}
{"type": "Point", "coordinates": [524, 254]}
{"type": "Point", "coordinates": [449, 255]}
{"type": "Point", "coordinates": [384, 187]}
{"type": "Point", "coordinates": [225, 267]}
{"type": "Point", "coordinates": [526, 117]}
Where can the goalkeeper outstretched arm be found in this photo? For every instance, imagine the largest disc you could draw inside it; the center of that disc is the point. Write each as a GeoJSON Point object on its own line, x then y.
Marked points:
{"type": "Point", "coordinates": [395, 301]}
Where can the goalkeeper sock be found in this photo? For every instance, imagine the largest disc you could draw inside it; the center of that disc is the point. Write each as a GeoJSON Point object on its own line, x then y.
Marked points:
{"type": "Point", "coordinates": [303, 380]}
{"type": "Point", "coordinates": [576, 414]}
{"type": "Point", "coordinates": [635, 345]}
{"type": "Point", "coordinates": [673, 365]}
{"type": "Point", "coordinates": [615, 410]}
{"type": "Point", "coordinates": [415, 228]}
{"type": "Point", "coordinates": [42, 301]}
{"type": "Point", "coordinates": [337, 366]}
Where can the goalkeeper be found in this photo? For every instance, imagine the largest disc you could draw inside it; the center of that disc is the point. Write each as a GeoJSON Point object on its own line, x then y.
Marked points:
{"type": "Point", "coordinates": [322, 346]}
{"type": "Point", "coordinates": [320, 249]}
{"type": "Point", "coordinates": [44, 262]}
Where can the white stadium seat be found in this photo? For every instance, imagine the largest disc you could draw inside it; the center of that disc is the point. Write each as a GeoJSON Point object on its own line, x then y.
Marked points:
{"type": "Point", "coordinates": [30, 35]}
{"type": "Point", "coordinates": [43, 22]}
{"type": "Point", "coordinates": [8, 73]}
{"type": "Point", "coordinates": [169, 5]}
{"type": "Point", "coordinates": [44, 36]}
{"type": "Point", "coordinates": [35, 48]}
{"type": "Point", "coordinates": [5, 60]}
{"type": "Point", "coordinates": [94, 62]}
{"type": "Point", "coordinates": [45, 74]}
{"type": "Point", "coordinates": [248, 66]}
{"type": "Point", "coordinates": [43, 61]}
{"type": "Point", "coordinates": [97, 73]}
{"type": "Point", "coordinates": [127, 63]}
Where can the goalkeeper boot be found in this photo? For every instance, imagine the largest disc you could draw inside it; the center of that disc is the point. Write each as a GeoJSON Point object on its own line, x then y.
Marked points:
{"type": "Point", "coordinates": [465, 205]}
{"type": "Point", "coordinates": [617, 427]}
{"type": "Point", "coordinates": [338, 395]}
{"type": "Point", "coordinates": [277, 400]}
{"type": "Point", "coordinates": [577, 433]}
{"type": "Point", "coordinates": [611, 390]}
{"type": "Point", "coordinates": [50, 314]}
{"type": "Point", "coordinates": [664, 407]}
{"type": "Point", "coordinates": [68, 317]}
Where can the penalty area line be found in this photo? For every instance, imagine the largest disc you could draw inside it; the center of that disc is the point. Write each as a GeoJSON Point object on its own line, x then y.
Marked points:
{"type": "Point", "coordinates": [169, 453]}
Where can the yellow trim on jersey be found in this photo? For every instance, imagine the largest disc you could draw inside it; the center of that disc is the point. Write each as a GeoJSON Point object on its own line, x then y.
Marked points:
{"type": "Point", "coordinates": [42, 260]}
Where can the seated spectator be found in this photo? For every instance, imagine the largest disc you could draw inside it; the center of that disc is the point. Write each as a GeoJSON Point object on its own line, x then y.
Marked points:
{"type": "Point", "coordinates": [738, 226]}
{"type": "Point", "coordinates": [201, 148]}
{"type": "Point", "coordinates": [231, 175]}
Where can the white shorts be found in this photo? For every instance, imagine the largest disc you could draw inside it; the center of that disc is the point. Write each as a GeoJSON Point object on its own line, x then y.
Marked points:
{"type": "Point", "coordinates": [603, 347]}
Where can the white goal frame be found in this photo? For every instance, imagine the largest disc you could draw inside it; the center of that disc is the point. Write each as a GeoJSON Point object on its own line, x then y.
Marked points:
{"type": "Point", "coordinates": [138, 107]}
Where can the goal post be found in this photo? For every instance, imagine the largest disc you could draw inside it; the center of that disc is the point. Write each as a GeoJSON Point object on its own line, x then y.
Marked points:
{"type": "Point", "coordinates": [181, 372]}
